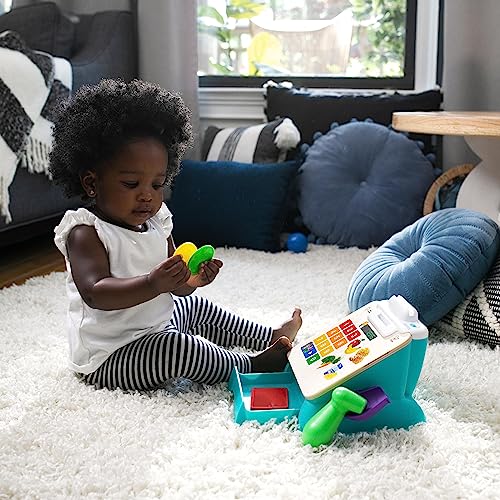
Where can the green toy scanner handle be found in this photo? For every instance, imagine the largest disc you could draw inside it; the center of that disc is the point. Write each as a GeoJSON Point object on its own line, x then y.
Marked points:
{"type": "Point", "coordinates": [321, 428]}
{"type": "Point", "coordinates": [203, 254]}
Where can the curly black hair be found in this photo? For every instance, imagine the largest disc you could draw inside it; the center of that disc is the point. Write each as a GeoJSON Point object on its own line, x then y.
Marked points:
{"type": "Point", "coordinates": [98, 120]}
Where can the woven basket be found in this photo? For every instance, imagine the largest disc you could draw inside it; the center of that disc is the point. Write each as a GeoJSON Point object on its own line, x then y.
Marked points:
{"type": "Point", "coordinates": [442, 180]}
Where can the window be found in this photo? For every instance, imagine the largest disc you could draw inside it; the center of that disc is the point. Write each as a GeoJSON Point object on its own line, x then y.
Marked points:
{"type": "Point", "coordinates": [5, 6]}
{"type": "Point", "coordinates": [314, 43]}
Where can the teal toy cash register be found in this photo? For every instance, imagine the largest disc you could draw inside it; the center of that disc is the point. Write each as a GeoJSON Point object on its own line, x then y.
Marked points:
{"type": "Point", "coordinates": [358, 376]}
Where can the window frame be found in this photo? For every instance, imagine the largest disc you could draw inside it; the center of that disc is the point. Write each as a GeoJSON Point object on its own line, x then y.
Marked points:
{"type": "Point", "coordinates": [406, 82]}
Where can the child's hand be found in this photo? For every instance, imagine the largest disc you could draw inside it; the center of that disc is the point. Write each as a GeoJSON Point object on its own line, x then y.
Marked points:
{"type": "Point", "coordinates": [208, 272]}
{"type": "Point", "coordinates": [169, 275]}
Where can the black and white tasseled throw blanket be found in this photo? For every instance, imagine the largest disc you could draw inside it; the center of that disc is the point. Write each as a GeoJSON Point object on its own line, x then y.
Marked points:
{"type": "Point", "coordinates": [31, 84]}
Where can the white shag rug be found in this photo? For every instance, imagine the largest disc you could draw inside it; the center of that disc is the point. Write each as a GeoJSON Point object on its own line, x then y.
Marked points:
{"type": "Point", "coordinates": [62, 439]}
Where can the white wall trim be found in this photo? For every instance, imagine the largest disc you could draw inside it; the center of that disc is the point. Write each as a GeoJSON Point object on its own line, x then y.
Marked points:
{"type": "Point", "coordinates": [232, 103]}
{"type": "Point", "coordinates": [426, 48]}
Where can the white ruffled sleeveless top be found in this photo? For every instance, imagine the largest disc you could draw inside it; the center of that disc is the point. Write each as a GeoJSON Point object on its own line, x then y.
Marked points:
{"type": "Point", "coordinates": [95, 334]}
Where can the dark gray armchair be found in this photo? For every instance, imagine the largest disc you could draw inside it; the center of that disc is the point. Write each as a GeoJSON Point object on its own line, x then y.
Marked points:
{"type": "Point", "coordinates": [102, 45]}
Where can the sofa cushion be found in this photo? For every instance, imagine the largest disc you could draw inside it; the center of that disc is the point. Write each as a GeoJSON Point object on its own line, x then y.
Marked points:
{"type": "Point", "coordinates": [314, 110]}
{"type": "Point", "coordinates": [42, 26]}
{"type": "Point", "coordinates": [265, 143]}
{"type": "Point", "coordinates": [434, 263]}
{"type": "Point", "coordinates": [361, 183]}
{"type": "Point", "coordinates": [231, 204]}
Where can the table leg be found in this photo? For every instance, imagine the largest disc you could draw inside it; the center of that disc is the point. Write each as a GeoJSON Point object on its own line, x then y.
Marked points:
{"type": "Point", "coordinates": [480, 190]}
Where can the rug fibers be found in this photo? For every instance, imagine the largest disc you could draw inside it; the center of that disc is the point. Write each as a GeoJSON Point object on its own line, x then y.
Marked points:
{"type": "Point", "coordinates": [62, 439]}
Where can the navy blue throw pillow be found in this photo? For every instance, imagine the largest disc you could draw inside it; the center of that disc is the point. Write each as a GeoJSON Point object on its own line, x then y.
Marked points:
{"type": "Point", "coordinates": [361, 183]}
{"type": "Point", "coordinates": [231, 204]}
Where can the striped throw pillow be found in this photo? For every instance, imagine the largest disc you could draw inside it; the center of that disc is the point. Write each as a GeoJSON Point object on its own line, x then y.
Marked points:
{"type": "Point", "coordinates": [478, 316]}
{"type": "Point", "coordinates": [265, 143]}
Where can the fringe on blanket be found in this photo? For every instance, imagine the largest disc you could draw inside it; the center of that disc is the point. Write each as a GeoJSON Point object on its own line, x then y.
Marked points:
{"type": "Point", "coordinates": [35, 157]}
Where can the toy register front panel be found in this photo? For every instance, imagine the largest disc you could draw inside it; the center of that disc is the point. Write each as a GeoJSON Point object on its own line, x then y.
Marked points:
{"type": "Point", "coordinates": [362, 339]}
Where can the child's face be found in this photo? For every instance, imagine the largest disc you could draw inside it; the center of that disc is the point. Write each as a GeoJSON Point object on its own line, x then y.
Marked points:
{"type": "Point", "coordinates": [129, 187]}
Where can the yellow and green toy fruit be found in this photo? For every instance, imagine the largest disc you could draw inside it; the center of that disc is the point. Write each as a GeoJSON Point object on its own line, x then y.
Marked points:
{"type": "Point", "coordinates": [186, 250]}
{"type": "Point", "coordinates": [193, 256]}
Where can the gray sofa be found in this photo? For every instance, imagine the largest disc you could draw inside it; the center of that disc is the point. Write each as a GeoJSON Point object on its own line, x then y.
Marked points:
{"type": "Point", "coordinates": [102, 45]}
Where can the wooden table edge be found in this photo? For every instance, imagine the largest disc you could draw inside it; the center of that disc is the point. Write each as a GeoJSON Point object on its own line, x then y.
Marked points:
{"type": "Point", "coordinates": [448, 122]}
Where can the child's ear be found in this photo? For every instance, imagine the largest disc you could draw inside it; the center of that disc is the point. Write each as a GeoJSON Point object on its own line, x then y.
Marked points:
{"type": "Point", "coordinates": [88, 180]}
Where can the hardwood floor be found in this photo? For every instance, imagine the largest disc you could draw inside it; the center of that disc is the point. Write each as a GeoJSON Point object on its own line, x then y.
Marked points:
{"type": "Point", "coordinates": [30, 258]}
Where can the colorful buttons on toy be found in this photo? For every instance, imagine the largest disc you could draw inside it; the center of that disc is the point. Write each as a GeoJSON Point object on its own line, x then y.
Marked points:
{"type": "Point", "coordinates": [334, 339]}
{"type": "Point", "coordinates": [194, 256]}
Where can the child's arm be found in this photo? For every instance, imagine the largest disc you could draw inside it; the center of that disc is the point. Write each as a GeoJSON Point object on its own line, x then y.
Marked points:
{"type": "Point", "coordinates": [208, 272]}
{"type": "Point", "coordinates": [91, 274]}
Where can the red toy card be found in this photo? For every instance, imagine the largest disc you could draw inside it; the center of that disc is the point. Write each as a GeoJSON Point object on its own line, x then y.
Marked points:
{"type": "Point", "coordinates": [269, 398]}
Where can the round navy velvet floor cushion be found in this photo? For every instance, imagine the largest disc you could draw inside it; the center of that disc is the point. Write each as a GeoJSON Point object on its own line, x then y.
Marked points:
{"type": "Point", "coordinates": [361, 183]}
{"type": "Point", "coordinates": [434, 263]}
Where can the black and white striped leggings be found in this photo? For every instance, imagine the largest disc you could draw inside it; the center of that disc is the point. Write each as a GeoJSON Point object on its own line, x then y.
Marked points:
{"type": "Point", "coordinates": [178, 351]}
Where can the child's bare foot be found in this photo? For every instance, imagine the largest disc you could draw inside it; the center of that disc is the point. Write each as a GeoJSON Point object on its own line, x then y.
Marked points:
{"type": "Point", "coordinates": [289, 328]}
{"type": "Point", "coordinates": [274, 358]}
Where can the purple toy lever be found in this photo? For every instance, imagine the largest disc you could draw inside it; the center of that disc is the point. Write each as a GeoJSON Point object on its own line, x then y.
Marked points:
{"type": "Point", "coordinates": [376, 399]}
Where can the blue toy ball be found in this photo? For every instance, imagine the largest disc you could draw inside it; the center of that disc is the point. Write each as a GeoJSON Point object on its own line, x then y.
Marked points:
{"type": "Point", "coordinates": [297, 242]}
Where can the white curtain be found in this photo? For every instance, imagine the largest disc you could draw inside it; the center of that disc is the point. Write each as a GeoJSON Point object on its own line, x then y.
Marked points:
{"type": "Point", "coordinates": [168, 52]}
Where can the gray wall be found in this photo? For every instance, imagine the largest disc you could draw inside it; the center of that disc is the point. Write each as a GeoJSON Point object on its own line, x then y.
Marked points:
{"type": "Point", "coordinates": [471, 71]}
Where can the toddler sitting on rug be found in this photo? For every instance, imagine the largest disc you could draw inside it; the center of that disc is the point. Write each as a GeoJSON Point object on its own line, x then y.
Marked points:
{"type": "Point", "coordinates": [133, 321]}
